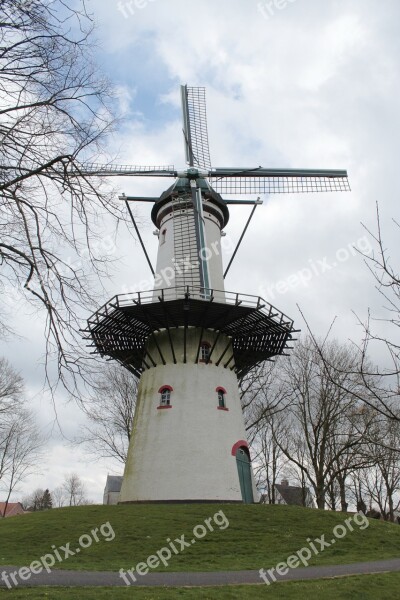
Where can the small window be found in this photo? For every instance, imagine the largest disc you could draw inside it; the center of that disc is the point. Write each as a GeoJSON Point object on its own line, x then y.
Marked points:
{"type": "Point", "coordinates": [221, 395]}
{"type": "Point", "coordinates": [204, 352]}
{"type": "Point", "coordinates": [163, 236]}
{"type": "Point", "coordinates": [165, 396]}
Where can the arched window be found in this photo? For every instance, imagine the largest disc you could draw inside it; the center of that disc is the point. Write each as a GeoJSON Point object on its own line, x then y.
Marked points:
{"type": "Point", "coordinates": [221, 395]}
{"type": "Point", "coordinates": [163, 236]}
{"type": "Point", "coordinates": [205, 348]}
{"type": "Point", "coordinates": [165, 396]}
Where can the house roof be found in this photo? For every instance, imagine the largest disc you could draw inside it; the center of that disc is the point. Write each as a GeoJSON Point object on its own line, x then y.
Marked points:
{"type": "Point", "coordinates": [113, 483]}
{"type": "Point", "coordinates": [13, 508]}
{"type": "Point", "coordinates": [291, 494]}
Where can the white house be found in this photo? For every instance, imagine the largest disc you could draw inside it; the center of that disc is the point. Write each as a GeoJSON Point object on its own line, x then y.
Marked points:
{"type": "Point", "coordinates": [112, 489]}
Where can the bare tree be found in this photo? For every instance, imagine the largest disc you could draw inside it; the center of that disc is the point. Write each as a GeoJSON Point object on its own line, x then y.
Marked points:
{"type": "Point", "coordinates": [74, 490]}
{"type": "Point", "coordinates": [110, 411]}
{"type": "Point", "coordinates": [11, 387]}
{"type": "Point", "coordinates": [269, 461]}
{"type": "Point", "coordinates": [20, 441]}
{"type": "Point", "coordinates": [294, 472]}
{"type": "Point", "coordinates": [20, 451]}
{"type": "Point", "coordinates": [264, 393]}
{"type": "Point", "coordinates": [382, 382]}
{"type": "Point", "coordinates": [322, 434]}
{"type": "Point", "coordinates": [58, 496]}
{"type": "Point", "coordinates": [380, 483]}
{"type": "Point", "coordinates": [55, 111]}
{"type": "Point", "coordinates": [264, 398]}
{"type": "Point", "coordinates": [386, 380]}
{"type": "Point", "coordinates": [348, 457]}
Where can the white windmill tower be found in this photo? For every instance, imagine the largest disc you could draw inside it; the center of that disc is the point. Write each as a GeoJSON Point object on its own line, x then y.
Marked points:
{"type": "Point", "coordinates": [189, 340]}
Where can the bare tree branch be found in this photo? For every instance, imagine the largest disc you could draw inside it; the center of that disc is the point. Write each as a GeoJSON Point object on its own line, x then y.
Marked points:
{"type": "Point", "coordinates": [55, 111]}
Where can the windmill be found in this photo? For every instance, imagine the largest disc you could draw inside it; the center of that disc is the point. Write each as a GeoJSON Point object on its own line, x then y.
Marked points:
{"type": "Point", "coordinates": [188, 339]}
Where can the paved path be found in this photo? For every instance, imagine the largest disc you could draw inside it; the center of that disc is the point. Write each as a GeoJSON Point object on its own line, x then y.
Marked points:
{"type": "Point", "coordinates": [109, 578]}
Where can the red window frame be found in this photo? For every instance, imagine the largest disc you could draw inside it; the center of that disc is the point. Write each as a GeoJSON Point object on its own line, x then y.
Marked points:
{"type": "Point", "coordinates": [160, 391]}
{"type": "Point", "coordinates": [223, 390]}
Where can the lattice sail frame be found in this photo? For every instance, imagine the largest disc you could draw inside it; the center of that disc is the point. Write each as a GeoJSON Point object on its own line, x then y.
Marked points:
{"type": "Point", "coordinates": [238, 181]}
{"type": "Point", "coordinates": [195, 127]}
{"type": "Point", "coordinates": [275, 184]}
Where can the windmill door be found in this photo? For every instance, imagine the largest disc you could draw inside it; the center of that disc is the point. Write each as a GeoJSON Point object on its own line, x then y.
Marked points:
{"type": "Point", "coordinates": [244, 471]}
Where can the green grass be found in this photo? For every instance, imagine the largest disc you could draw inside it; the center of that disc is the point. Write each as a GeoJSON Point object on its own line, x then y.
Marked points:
{"type": "Point", "coordinates": [364, 587]}
{"type": "Point", "coordinates": [258, 536]}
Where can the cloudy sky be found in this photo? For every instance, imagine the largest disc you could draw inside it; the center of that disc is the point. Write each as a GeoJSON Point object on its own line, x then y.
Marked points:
{"type": "Point", "coordinates": [301, 83]}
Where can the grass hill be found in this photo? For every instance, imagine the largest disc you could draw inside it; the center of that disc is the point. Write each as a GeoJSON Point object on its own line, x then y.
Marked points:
{"type": "Point", "coordinates": [257, 536]}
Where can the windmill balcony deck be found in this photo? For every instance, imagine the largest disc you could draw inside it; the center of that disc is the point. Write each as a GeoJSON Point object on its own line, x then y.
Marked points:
{"type": "Point", "coordinates": [125, 327]}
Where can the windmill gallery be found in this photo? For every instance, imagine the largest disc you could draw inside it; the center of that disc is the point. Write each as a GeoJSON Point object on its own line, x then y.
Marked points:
{"type": "Point", "coordinates": [188, 339]}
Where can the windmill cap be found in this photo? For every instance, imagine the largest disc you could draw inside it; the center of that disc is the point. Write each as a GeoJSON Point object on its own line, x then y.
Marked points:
{"type": "Point", "coordinates": [182, 188]}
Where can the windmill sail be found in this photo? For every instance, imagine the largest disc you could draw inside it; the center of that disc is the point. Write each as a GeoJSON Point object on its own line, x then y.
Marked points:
{"type": "Point", "coordinates": [197, 155]}
{"type": "Point", "coordinates": [197, 182]}
{"type": "Point", "coordinates": [195, 131]}
{"type": "Point", "coordinates": [277, 181]}
{"type": "Point", "coordinates": [111, 170]}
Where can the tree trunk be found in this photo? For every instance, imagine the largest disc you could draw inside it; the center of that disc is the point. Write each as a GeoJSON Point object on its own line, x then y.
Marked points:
{"type": "Point", "coordinates": [390, 514]}
{"type": "Point", "coordinates": [320, 494]}
{"type": "Point", "coordinates": [342, 487]}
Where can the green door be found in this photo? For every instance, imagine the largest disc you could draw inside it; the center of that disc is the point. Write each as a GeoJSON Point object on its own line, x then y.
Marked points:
{"type": "Point", "coordinates": [244, 471]}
